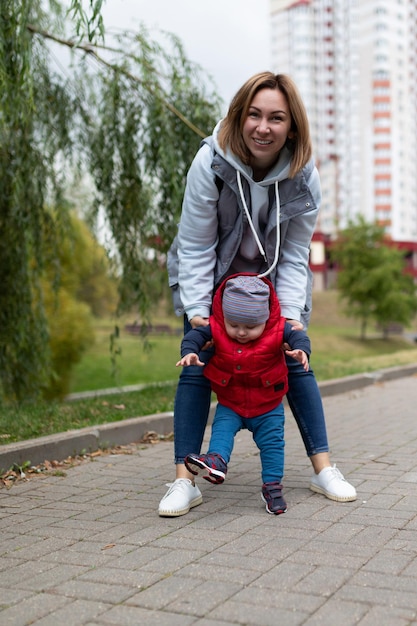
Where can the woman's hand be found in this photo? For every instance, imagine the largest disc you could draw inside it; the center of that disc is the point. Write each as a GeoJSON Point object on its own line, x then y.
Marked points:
{"type": "Point", "coordinates": [295, 325]}
{"type": "Point", "coordinates": [197, 321]}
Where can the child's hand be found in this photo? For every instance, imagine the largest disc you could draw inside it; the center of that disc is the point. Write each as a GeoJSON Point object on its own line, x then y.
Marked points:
{"type": "Point", "coordinates": [190, 359]}
{"type": "Point", "coordinates": [300, 356]}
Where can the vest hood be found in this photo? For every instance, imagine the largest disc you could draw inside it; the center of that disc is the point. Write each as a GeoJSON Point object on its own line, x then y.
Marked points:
{"type": "Point", "coordinates": [274, 305]}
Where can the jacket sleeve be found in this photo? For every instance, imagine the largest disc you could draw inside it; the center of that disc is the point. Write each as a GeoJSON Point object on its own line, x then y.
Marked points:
{"type": "Point", "coordinates": [194, 340]}
{"type": "Point", "coordinates": [297, 339]}
{"type": "Point", "coordinates": [197, 236]}
{"type": "Point", "coordinates": [293, 275]}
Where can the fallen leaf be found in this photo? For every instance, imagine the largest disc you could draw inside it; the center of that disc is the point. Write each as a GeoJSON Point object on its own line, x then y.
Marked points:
{"type": "Point", "coordinates": [150, 437]}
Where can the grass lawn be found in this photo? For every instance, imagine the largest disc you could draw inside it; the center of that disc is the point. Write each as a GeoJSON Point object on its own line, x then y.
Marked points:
{"type": "Point", "coordinates": [337, 349]}
{"type": "Point", "coordinates": [136, 363]}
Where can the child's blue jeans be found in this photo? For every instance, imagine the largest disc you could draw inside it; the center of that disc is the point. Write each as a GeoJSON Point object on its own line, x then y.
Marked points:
{"type": "Point", "coordinates": [268, 434]}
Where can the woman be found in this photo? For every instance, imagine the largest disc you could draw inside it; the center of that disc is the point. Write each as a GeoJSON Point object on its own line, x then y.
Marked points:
{"type": "Point", "coordinates": [255, 172]}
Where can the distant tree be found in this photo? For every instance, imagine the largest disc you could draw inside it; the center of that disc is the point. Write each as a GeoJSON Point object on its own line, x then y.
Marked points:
{"type": "Point", "coordinates": [71, 332]}
{"type": "Point", "coordinates": [132, 115]}
{"type": "Point", "coordinates": [86, 289]}
{"type": "Point", "coordinates": [371, 278]}
{"type": "Point", "coordinates": [86, 271]}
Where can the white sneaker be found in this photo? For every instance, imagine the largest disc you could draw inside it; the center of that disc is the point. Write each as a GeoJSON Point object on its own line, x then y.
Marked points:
{"type": "Point", "coordinates": [181, 496]}
{"type": "Point", "coordinates": [332, 484]}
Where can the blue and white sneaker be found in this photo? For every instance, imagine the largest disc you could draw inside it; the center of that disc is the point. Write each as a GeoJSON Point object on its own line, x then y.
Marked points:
{"type": "Point", "coordinates": [273, 498]}
{"type": "Point", "coordinates": [214, 464]}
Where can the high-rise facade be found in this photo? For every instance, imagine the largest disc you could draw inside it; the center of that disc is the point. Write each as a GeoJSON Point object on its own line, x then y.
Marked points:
{"type": "Point", "coordinates": [355, 63]}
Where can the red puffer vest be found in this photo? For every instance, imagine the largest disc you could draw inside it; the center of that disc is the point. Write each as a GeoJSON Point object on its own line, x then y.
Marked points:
{"type": "Point", "coordinates": [249, 378]}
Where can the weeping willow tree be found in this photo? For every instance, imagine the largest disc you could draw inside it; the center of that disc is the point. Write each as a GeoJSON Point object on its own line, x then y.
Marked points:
{"type": "Point", "coordinates": [130, 115]}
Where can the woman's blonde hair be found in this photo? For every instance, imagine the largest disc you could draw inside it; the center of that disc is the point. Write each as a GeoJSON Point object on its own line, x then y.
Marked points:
{"type": "Point", "coordinates": [230, 133]}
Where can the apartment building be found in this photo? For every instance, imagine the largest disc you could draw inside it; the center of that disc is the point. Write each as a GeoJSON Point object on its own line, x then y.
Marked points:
{"type": "Point", "coordinates": [355, 63]}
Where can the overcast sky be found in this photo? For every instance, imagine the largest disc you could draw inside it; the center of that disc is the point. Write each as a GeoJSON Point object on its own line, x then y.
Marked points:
{"type": "Point", "coordinates": [230, 39]}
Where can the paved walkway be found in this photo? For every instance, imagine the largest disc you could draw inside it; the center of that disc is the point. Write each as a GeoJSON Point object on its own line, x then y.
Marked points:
{"type": "Point", "coordinates": [89, 548]}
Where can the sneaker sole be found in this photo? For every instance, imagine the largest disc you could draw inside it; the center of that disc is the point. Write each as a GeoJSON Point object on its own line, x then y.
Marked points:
{"type": "Point", "coordinates": [332, 496]}
{"type": "Point", "coordinates": [273, 512]}
{"type": "Point", "coordinates": [178, 512]}
{"type": "Point", "coordinates": [216, 477]}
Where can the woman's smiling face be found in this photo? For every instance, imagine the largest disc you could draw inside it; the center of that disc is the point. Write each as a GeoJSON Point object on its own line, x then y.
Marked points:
{"type": "Point", "coordinates": [267, 127]}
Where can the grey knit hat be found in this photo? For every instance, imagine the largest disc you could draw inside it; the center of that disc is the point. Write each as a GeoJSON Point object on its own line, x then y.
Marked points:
{"type": "Point", "coordinates": [246, 300]}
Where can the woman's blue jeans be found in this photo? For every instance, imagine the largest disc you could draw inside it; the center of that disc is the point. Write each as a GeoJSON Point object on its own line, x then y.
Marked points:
{"type": "Point", "coordinates": [193, 397]}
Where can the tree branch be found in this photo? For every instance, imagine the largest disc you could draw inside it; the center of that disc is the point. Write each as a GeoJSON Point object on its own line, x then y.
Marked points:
{"type": "Point", "coordinates": [90, 49]}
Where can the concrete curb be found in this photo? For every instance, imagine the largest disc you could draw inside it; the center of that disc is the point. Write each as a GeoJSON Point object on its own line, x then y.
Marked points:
{"type": "Point", "coordinates": [60, 446]}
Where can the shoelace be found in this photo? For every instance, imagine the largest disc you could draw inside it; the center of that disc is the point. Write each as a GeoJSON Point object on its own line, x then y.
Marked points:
{"type": "Point", "coordinates": [178, 483]}
{"type": "Point", "coordinates": [336, 473]}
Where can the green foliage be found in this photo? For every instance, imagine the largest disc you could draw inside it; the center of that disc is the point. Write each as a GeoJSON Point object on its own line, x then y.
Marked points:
{"type": "Point", "coordinates": [85, 288]}
{"type": "Point", "coordinates": [140, 150]}
{"type": "Point", "coordinates": [27, 148]}
{"type": "Point", "coordinates": [85, 269]}
{"type": "Point", "coordinates": [90, 22]}
{"type": "Point", "coordinates": [372, 279]}
{"type": "Point", "coordinates": [71, 333]}
{"type": "Point", "coordinates": [122, 117]}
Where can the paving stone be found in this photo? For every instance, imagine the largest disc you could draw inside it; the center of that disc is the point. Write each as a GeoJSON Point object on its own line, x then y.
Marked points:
{"type": "Point", "coordinates": [338, 612]}
{"type": "Point", "coordinates": [31, 609]}
{"type": "Point", "coordinates": [389, 562]}
{"type": "Point", "coordinates": [250, 615]}
{"type": "Point", "coordinates": [166, 591]}
{"type": "Point", "coordinates": [137, 579]}
{"type": "Point", "coordinates": [379, 596]}
{"type": "Point", "coordinates": [383, 616]}
{"type": "Point", "coordinates": [133, 616]}
{"type": "Point", "coordinates": [107, 593]}
{"type": "Point", "coordinates": [74, 613]}
{"type": "Point", "coordinates": [204, 598]}
{"type": "Point", "coordinates": [9, 596]}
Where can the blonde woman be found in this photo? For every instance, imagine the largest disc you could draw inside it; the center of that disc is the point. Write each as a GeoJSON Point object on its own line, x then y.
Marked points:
{"type": "Point", "coordinates": [250, 205]}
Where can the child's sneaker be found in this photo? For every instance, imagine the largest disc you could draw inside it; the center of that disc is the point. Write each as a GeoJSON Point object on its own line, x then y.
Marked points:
{"type": "Point", "coordinates": [272, 496]}
{"type": "Point", "coordinates": [213, 463]}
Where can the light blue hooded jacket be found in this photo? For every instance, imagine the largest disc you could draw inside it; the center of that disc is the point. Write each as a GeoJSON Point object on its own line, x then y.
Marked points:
{"type": "Point", "coordinates": [228, 225]}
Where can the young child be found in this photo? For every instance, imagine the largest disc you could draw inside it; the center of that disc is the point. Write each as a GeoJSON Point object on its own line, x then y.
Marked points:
{"type": "Point", "coordinates": [249, 375]}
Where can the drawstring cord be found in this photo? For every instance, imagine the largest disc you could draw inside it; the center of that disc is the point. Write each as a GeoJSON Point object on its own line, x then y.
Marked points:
{"type": "Point", "coordinates": [252, 227]}
{"type": "Point", "coordinates": [245, 206]}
